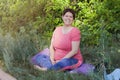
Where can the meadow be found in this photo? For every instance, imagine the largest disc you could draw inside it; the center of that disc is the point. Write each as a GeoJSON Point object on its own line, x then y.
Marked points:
{"type": "Point", "coordinates": [16, 51]}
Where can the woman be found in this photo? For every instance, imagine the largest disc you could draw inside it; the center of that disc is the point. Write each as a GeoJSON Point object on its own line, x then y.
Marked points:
{"type": "Point", "coordinates": [64, 49]}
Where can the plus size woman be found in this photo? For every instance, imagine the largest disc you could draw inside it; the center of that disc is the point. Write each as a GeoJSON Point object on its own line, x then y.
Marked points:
{"type": "Point", "coordinates": [64, 48]}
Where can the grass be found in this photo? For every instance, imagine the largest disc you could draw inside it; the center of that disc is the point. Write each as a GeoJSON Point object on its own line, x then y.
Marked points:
{"type": "Point", "coordinates": [16, 51]}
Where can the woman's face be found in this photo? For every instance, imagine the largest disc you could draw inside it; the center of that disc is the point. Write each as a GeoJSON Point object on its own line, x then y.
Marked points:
{"type": "Point", "coordinates": [67, 18]}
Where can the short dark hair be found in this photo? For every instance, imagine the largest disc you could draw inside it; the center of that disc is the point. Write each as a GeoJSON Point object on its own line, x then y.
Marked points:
{"type": "Point", "coordinates": [69, 10]}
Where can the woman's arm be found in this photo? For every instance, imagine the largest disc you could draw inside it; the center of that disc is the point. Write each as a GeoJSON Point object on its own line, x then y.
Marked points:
{"type": "Point", "coordinates": [52, 54]}
{"type": "Point", "coordinates": [75, 47]}
{"type": "Point", "coordinates": [52, 48]}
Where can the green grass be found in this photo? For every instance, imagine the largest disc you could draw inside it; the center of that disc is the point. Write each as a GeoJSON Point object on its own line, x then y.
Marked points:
{"type": "Point", "coordinates": [16, 51]}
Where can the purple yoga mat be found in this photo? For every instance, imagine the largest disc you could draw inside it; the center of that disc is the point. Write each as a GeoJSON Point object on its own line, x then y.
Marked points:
{"type": "Point", "coordinates": [85, 68]}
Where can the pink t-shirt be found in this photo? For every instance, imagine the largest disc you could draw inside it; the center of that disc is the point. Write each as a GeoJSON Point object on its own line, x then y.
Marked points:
{"type": "Point", "coordinates": [62, 44]}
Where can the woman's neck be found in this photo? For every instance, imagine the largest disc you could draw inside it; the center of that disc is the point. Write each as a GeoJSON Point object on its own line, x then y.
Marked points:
{"type": "Point", "coordinates": [67, 26]}
{"type": "Point", "coordinates": [66, 29]}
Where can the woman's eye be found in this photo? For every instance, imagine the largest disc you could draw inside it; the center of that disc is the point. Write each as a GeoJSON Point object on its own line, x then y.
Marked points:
{"type": "Point", "coordinates": [68, 16]}
{"type": "Point", "coordinates": [71, 17]}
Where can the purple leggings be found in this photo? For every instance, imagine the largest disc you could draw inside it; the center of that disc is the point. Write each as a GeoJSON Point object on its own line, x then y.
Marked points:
{"type": "Point", "coordinates": [63, 63]}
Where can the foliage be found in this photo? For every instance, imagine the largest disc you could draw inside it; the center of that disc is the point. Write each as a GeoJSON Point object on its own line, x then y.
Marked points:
{"type": "Point", "coordinates": [92, 15]}
{"type": "Point", "coordinates": [46, 15]}
{"type": "Point", "coordinates": [20, 13]}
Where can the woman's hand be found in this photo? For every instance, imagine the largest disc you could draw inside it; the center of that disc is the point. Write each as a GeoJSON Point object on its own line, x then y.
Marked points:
{"type": "Point", "coordinates": [53, 61]}
{"type": "Point", "coordinates": [57, 61]}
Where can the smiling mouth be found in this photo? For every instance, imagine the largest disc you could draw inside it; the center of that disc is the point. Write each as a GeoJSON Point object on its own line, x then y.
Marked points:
{"type": "Point", "coordinates": [68, 21]}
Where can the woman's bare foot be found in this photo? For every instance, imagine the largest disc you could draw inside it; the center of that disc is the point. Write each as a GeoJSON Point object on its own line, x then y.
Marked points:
{"type": "Point", "coordinates": [40, 68]}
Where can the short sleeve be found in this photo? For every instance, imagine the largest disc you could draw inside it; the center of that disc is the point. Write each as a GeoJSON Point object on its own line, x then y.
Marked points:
{"type": "Point", "coordinates": [53, 35]}
{"type": "Point", "coordinates": [75, 35]}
